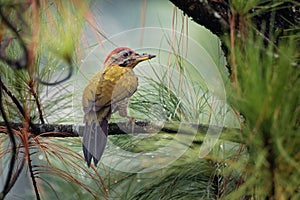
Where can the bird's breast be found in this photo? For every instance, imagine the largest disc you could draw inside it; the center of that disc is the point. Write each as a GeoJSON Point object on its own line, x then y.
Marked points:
{"type": "Point", "coordinates": [109, 87]}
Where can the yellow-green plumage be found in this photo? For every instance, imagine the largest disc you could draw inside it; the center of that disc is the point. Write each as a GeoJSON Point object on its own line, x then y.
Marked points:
{"type": "Point", "coordinates": [107, 87]}
{"type": "Point", "coordinates": [107, 92]}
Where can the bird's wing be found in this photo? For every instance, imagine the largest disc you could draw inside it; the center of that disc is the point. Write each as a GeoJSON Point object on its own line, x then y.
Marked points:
{"type": "Point", "coordinates": [125, 87]}
{"type": "Point", "coordinates": [105, 88]}
{"type": "Point", "coordinates": [89, 93]}
{"type": "Point", "coordinates": [108, 87]}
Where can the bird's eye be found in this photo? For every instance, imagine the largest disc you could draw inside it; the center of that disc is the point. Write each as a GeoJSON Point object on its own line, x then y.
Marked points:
{"type": "Point", "coordinates": [125, 54]}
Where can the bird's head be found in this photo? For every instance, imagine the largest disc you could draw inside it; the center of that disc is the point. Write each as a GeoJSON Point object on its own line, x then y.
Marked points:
{"type": "Point", "coordinates": [125, 57]}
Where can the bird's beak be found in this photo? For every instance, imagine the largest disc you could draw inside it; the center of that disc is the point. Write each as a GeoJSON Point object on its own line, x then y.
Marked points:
{"type": "Point", "coordinates": [144, 56]}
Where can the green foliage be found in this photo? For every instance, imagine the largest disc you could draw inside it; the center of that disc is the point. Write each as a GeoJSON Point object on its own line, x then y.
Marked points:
{"type": "Point", "coordinates": [46, 46]}
{"type": "Point", "coordinates": [244, 7]}
{"type": "Point", "coordinates": [171, 95]}
{"type": "Point", "coordinates": [58, 167]}
{"type": "Point", "coordinates": [188, 177]}
{"type": "Point", "coordinates": [35, 56]}
{"type": "Point", "coordinates": [24, 88]}
{"type": "Point", "coordinates": [262, 164]}
{"type": "Point", "coordinates": [267, 95]}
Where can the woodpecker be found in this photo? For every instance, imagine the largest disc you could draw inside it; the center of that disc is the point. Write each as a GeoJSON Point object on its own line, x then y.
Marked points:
{"type": "Point", "coordinates": [107, 92]}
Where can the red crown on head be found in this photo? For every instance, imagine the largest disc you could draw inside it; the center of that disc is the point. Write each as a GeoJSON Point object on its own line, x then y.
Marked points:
{"type": "Point", "coordinates": [117, 50]}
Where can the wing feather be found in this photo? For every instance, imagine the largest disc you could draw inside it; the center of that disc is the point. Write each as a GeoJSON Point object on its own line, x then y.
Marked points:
{"type": "Point", "coordinates": [107, 87]}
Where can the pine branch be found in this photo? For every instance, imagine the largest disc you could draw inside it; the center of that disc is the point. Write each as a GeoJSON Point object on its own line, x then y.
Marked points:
{"type": "Point", "coordinates": [121, 128]}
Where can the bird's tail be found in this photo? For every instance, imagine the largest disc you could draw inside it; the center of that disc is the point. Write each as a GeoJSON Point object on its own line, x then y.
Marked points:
{"type": "Point", "coordinates": [94, 140]}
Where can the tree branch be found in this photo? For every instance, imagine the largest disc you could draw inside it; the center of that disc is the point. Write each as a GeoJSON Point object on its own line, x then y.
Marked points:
{"type": "Point", "coordinates": [121, 128]}
{"type": "Point", "coordinates": [212, 14]}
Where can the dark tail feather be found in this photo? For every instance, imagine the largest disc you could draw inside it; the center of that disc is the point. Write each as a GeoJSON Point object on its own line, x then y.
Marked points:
{"type": "Point", "coordinates": [94, 141]}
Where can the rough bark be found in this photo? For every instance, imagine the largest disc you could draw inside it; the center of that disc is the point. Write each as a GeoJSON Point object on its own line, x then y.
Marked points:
{"type": "Point", "coordinates": [211, 14]}
{"type": "Point", "coordinates": [215, 15]}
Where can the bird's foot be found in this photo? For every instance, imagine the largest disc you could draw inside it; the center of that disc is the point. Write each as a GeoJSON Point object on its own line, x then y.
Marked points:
{"type": "Point", "coordinates": [131, 123]}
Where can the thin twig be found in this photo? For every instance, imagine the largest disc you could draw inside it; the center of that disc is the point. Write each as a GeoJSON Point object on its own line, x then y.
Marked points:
{"type": "Point", "coordinates": [13, 98]}
{"type": "Point", "coordinates": [17, 173]}
{"type": "Point", "coordinates": [34, 183]}
{"type": "Point", "coordinates": [37, 101]}
{"type": "Point", "coordinates": [7, 187]}
{"type": "Point", "coordinates": [69, 75]}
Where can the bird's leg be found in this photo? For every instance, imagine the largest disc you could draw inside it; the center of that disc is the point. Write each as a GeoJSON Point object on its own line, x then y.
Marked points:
{"type": "Point", "coordinates": [131, 120]}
